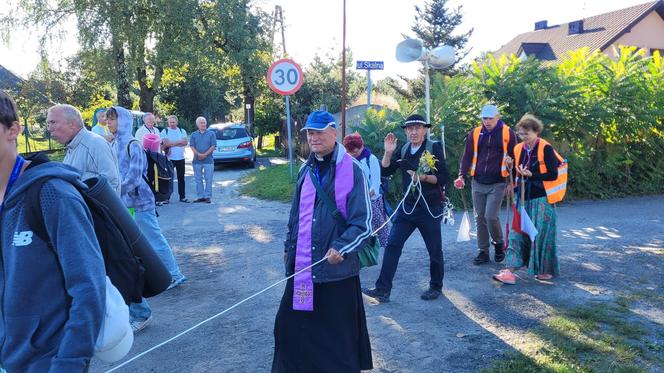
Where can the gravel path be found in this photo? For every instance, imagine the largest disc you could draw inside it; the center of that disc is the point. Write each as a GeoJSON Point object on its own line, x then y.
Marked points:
{"type": "Point", "coordinates": [233, 248]}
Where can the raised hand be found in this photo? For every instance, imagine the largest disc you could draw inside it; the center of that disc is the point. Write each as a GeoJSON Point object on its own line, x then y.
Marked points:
{"type": "Point", "coordinates": [390, 143]}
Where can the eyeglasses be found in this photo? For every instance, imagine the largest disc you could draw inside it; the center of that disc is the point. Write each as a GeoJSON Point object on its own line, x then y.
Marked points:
{"type": "Point", "coordinates": [521, 134]}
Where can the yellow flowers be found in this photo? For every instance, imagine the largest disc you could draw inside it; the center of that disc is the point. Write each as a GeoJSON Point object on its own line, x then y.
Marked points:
{"type": "Point", "coordinates": [427, 163]}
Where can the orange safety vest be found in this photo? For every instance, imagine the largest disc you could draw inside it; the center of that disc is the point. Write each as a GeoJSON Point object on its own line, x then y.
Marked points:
{"type": "Point", "coordinates": [555, 189]}
{"type": "Point", "coordinates": [476, 144]}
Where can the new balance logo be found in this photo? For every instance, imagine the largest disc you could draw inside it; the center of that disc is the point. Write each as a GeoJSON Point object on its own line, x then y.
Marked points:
{"type": "Point", "coordinates": [22, 238]}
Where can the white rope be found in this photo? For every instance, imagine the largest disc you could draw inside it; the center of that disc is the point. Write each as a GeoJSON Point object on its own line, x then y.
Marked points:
{"type": "Point", "coordinates": [217, 315]}
{"type": "Point", "coordinates": [251, 296]}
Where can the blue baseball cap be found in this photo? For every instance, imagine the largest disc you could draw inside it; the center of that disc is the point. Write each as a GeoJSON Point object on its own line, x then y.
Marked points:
{"type": "Point", "coordinates": [319, 121]}
{"type": "Point", "coordinates": [489, 111]}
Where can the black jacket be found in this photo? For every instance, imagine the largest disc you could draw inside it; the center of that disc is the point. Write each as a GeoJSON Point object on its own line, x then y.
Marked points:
{"type": "Point", "coordinates": [431, 192]}
{"type": "Point", "coordinates": [326, 231]}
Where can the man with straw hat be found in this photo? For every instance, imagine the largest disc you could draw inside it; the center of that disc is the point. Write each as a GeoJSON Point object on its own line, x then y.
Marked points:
{"type": "Point", "coordinates": [422, 208]}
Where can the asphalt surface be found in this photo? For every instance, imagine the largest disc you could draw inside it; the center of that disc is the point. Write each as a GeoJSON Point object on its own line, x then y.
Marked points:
{"type": "Point", "coordinates": [232, 248]}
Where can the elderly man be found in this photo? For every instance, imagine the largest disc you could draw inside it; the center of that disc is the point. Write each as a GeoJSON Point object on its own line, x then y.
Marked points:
{"type": "Point", "coordinates": [417, 212]}
{"type": "Point", "coordinates": [147, 127]}
{"type": "Point", "coordinates": [488, 148]}
{"type": "Point", "coordinates": [174, 141]}
{"type": "Point", "coordinates": [202, 143]}
{"type": "Point", "coordinates": [320, 325]}
{"type": "Point", "coordinates": [87, 152]}
{"type": "Point", "coordinates": [53, 292]}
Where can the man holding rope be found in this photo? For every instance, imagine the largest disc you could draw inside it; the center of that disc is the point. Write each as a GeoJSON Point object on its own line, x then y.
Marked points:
{"type": "Point", "coordinates": [421, 209]}
{"type": "Point", "coordinates": [321, 325]}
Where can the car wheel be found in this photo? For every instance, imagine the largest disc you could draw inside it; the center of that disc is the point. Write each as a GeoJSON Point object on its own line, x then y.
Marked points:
{"type": "Point", "coordinates": [251, 164]}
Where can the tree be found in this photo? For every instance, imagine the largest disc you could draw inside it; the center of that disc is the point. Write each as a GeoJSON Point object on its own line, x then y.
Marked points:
{"type": "Point", "coordinates": [239, 36]}
{"type": "Point", "coordinates": [434, 25]}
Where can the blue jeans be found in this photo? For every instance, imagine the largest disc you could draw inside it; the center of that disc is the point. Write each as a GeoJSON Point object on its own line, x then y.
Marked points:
{"type": "Point", "coordinates": [147, 222]}
{"type": "Point", "coordinates": [139, 311]}
{"type": "Point", "coordinates": [404, 225]}
{"type": "Point", "coordinates": [203, 170]}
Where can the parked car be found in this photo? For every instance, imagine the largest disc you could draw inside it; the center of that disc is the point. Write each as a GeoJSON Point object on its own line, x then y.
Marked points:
{"type": "Point", "coordinates": [234, 144]}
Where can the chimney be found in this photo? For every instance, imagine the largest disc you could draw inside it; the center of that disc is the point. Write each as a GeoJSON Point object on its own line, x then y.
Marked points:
{"type": "Point", "coordinates": [575, 27]}
{"type": "Point", "coordinates": [541, 25]}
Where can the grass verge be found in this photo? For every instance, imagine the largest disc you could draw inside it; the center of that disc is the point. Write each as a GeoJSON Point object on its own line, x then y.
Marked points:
{"type": "Point", "coordinates": [599, 338]}
{"type": "Point", "coordinates": [36, 145]}
{"type": "Point", "coordinates": [268, 149]}
{"type": "Point", "coordinates": [269, 183]}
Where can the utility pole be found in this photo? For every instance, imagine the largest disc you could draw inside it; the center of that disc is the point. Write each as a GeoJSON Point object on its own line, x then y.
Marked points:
{"type": "Point", "coordinates": [279, 18]}
{"type": "Point", "coordinates": [343, 79]}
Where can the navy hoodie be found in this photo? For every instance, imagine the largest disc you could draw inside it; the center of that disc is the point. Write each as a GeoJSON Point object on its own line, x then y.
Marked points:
{"type": "Point", "coordinates": [51, 298]}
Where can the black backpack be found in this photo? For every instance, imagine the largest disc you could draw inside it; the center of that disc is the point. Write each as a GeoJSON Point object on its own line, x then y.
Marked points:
{"type": "Point", "coordinates": [160, 174]}
{"type": "Point", "coordinates": [125, 270]}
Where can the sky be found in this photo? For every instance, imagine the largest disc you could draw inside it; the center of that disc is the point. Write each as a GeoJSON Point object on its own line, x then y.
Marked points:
{"type": "Point", "coordinates": [373, 28]}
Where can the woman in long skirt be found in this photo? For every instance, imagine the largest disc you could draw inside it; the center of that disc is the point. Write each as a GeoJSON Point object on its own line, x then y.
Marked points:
{"type": "Point", "coordinates": [536, 163]}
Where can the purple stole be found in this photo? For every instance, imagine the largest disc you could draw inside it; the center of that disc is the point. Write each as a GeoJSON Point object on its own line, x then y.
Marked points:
{"type": "Point", "coordinates": [303, 285]}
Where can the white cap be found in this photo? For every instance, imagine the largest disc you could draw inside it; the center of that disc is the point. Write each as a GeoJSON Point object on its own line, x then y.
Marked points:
{"type": "Point", "coordinates": [120, 350]}
{"type": "Point", "coordinates": [489, 111]}
{"type": "Point", "coordinates": [115, 336]}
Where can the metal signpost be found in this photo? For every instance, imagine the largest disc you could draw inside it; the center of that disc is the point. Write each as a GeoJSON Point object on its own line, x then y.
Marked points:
{"type": "Point", "coordinates": [369, 65]}
{"type": "Point", "coordinates": [285, 78]}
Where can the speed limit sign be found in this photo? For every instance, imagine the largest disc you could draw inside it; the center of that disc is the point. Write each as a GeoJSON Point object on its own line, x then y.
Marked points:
{"type": "Point", "coordinates": [285, 77]}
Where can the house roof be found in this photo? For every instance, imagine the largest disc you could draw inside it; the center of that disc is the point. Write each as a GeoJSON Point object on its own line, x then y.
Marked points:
{"type": "Point", "coordinates": [599, 32]}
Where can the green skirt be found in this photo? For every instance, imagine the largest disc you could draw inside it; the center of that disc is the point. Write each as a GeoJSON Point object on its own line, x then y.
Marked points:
{"type": "Point", "coordinates": [541, 257]}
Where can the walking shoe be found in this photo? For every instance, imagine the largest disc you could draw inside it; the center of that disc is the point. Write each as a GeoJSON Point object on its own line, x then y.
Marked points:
{"type": "Point", "coordinates": [506, 277]}
{"type": "Point", "coordinates": [431, 294]}
{"type": "Point", "coordinates": [177, 282]}
{"type": "Point", "coordinates": [184, 200]}
{"type": "Point", "coordinates": [544, 276]}
{"type": "Point", "coordinates": [379, 295]}
{"type": "Point", "coordinates": [199, 200]}
{"type": "Point", "coordinates": [481, 258]}
{"type": "Point", "coordinates": [499, 254]}
{"type": "Point", "coordinates": [208, 200]}
{"type": "Point", "coordinates": [137, 325]}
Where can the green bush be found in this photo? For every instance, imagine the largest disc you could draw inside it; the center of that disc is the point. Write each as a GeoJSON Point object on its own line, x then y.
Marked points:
{"type": "Point", "coordinates": [605, 116]}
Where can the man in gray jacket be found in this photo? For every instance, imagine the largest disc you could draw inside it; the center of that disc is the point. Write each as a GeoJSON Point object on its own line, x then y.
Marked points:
{"type": "Point", "coordinates": [321, 324]}
{"type": "Point", "coordinates": [87, 152]}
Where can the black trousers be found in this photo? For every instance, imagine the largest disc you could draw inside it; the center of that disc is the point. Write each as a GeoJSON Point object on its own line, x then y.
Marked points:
{"type": "Point", "coordinates": [179, 170]}
{"type": "Point", "coordinates": [404, 225]}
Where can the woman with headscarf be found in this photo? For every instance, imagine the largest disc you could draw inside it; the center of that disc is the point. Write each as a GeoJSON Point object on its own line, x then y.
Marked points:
{"type": "Point", "coordinates": [354, 144]}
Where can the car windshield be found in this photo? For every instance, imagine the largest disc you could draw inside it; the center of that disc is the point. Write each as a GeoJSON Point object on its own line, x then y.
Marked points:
{"type": "Point", "coordinates": [230, 133]}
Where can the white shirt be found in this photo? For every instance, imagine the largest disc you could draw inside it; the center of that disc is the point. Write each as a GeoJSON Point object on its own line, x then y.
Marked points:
{"type": "Point", "coordinates": [142, 131]}
{"type": "Point", "coordinates": [176, 152]}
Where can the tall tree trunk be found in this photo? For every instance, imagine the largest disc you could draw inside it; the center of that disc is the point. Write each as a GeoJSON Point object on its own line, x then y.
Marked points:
{"type": "Point", "coordinates": [147, 93]}
{"type": "Point", "coordinates": [122, 83]}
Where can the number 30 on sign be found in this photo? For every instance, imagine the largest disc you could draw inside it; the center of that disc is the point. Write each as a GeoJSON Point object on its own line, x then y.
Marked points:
{"type": "Point", "coordinates": [285, 77]}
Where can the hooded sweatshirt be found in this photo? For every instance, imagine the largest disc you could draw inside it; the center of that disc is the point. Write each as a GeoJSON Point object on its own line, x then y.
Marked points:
{"type": "Point", "coordinates": [135, 192]}
{"type": "Point", "coordinates": [51, 298]}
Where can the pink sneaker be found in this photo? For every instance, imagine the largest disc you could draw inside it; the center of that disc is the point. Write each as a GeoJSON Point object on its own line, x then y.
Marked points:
{"type": "Point", "coordinates": [544, 276]}
{"type": "Point", "coordinates": [506, 277]}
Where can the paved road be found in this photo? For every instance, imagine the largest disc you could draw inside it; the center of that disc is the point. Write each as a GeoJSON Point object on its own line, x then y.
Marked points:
{"type": "Point", "coordinates": [232, 248]}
